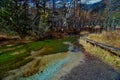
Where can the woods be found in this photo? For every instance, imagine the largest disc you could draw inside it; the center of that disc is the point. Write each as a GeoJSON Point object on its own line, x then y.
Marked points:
{"type": "Point", "coordinates": [36, 18]}
{"type": "Point", "coordinates": [22, 19]}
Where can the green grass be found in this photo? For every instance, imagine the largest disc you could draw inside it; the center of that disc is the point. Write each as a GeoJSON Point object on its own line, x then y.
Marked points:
{"type": "Point", "coordinates": [8, 61]}
{"type": "Point", "coordinates": [51, 46]}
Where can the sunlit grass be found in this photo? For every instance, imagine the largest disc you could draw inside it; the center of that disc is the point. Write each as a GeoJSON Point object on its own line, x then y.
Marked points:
{"type": "Point", "coordinates": [106, 56]}
{"type": "Point", "coordinates": [84, 33]}
{"type": "Point", "coordinates": [109, 38]}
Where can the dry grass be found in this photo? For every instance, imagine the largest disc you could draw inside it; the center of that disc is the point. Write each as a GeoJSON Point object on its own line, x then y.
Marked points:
{"type": "Point", "coordinates": [8, 48]}
{"type": "Point", "coordinates": [84, 33]}
{"type": "Point", "coordinates": [109, 38]}
{"type": "Point", "coordinates": [20, 52]}
{"type": "Point", "coordinates": [102, 54]}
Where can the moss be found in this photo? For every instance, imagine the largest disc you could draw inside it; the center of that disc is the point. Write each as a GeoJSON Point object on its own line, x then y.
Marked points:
{"type": "Point", "coordinates": [9, 61]}
{"type": "Point", "coordinates": [13, 63]}
{"type": "Point", "coordinates": [21, 63]}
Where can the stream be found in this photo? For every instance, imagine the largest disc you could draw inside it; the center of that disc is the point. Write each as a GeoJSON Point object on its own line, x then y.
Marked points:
{"type": "Point", "coordinates": [76, 66]}
{"type": "Point", "coordinates": [58, 68]}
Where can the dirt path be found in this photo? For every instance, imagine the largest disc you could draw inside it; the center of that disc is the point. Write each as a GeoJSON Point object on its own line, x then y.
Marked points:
{"type": "Point", "coordinates": [92, 69]}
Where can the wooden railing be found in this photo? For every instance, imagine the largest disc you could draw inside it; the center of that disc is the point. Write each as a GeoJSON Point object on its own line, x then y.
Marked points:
{"type": "Point", "coordinates": [114, 50]}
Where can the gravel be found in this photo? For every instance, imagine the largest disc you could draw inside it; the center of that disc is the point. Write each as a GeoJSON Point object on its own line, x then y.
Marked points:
{"type": "Point", "coordinates": [92, 69]}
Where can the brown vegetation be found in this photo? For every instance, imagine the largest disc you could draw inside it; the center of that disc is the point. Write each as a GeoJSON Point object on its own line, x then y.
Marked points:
{"type": "Point", "coordinates": [108, 38]}
{"type": "Point", "coordinates": [106, 56]}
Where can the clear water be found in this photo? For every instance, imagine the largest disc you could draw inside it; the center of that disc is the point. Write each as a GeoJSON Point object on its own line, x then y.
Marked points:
{"type": "Point", "coordinates": [54, 66]}
{"type": "Point", "coordinates": [49, 70]}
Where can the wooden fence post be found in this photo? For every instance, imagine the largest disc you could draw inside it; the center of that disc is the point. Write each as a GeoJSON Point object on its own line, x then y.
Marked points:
{"type": "Point", "coordinates": [94, 46]}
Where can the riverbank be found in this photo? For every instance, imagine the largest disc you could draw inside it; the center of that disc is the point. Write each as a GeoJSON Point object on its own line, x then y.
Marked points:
{"type": "Point", "coordinates": [16, 56]}
{"type": "Point", "coordinates": [59, 67]}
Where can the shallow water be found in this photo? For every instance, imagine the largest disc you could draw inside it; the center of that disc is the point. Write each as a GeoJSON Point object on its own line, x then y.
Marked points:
{"type": "Point", "coordinates": [49, 70]}
{"type": "Point", "coordinates": [52, 67]}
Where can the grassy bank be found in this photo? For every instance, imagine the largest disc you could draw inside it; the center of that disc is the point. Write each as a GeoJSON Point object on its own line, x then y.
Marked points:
{"type": "Point", "coordinates": [12, 57]}
{"type": "Point", "coordinates": [108, 38]}
{"type": "Point", "coordinates": [102, 54]}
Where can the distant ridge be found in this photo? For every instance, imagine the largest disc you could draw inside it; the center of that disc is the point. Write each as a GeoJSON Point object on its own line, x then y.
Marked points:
{"type": "Point", "coordinates": [94, 7]}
